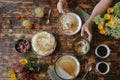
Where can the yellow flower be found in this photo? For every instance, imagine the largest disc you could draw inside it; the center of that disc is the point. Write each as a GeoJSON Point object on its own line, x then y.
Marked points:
{"type": "Point", "coordinates": [100, 26]}
{"type": "Point", "coordinates": [14, 78]}
{"type": "Point", "coordinates": [11, 72]}
{"type": "Point", "coordinates": [102, 31]}
{"type": "Point", "coordinates": [110, 10]}
{"type": "Point", "coordinates": [12, 75]}
{"type": "Point", "coordinates": [111, 23]}
{"type": "Point", "coordinates": [107, 16]}
{"type": "Point", "coordinates": [31, 69]}
{"type": "Point", "coordinates": [24, 61]}
{"type": "Point", "coordinates": [111, 17]}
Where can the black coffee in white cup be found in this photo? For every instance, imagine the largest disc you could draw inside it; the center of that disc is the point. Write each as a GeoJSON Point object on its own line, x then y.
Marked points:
{"type": "Point", "coordinates": [102, 51]}
{"type": "Point", "coordinates": [103, 67]}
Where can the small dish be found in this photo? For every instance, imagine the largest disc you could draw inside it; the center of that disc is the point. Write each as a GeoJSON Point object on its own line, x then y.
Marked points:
{"type": "Point", "coordinates": [22, 45]}
{"type": "Point", "coordinates": [43, 43]}
{"type": "Point", "coordinates": [81, 46]}
{"type": "Point", "coordinates": [67, 67]}
{"type": "Point", "coordinates": [69, 24]}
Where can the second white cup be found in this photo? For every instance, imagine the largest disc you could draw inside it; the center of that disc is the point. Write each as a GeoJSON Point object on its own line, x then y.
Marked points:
{"type": "Point", "coordinates": [103, 67]}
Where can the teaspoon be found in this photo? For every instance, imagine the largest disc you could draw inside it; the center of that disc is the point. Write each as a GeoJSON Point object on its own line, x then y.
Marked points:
{"type": "Point", "coordinates": [89, 69]}
{"type": "Point", "coordinates": [48, 20]}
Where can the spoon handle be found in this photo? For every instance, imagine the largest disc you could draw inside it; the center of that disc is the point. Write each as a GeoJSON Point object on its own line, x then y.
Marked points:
{"type": "Point", "coordinates": [49, 13]}
{"type": "Point", "coordinates": [84, 75]}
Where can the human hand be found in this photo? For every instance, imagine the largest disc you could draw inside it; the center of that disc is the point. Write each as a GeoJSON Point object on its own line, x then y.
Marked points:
{"type": "Point", "coordinates": [61, 5]}
{"type": "Point", "coordinates": [86, 31]}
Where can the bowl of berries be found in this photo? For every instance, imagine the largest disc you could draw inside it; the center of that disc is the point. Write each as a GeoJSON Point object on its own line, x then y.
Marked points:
{"type": "Point", "coordinates": [22, 45]}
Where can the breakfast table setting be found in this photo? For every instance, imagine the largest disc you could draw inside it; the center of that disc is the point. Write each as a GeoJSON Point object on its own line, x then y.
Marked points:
{"type": "Point", "coordinates": [39, 43]}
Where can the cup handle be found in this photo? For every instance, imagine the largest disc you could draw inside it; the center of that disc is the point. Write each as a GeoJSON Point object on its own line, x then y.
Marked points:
{"type": "Point", "coordinates": [110, 49]}
{"type": "Point", "coordinates": [109, 63]}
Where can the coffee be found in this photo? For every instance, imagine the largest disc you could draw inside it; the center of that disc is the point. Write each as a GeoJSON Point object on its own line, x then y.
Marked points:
{"type": "Point", "coordinates": [67, 67]}
{"type": "Point", "coordinates": [102, 51]}
{"type": "Point", "coordinates": [102, 67]}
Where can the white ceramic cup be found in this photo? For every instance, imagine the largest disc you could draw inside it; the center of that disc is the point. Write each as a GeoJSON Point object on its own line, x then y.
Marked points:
{"type": "Point", "coordinates": [105, 55]}
{"type": "Point", "coordinates": [103, 67]}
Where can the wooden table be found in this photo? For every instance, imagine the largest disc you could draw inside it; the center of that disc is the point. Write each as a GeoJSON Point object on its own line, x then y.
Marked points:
{"type": "Point", "coordinates": [9, 33]}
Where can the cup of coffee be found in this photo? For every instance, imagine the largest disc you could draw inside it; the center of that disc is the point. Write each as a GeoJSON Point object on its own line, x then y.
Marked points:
{"type": "Point", "coordinates": [102, 51]}
{"type": "Point", "coordinates": [103, 67]}
{"type": "Point", "coordinates": [67, 67]}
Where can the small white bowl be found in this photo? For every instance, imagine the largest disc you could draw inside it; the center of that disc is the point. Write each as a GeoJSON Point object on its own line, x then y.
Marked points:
{"type": "Point", "coordinates": [69, 24]}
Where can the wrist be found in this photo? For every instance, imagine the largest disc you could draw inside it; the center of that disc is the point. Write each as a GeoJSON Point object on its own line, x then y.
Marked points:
{"type": "Point", "coordinates": [61, 0]}
{"type": "Point", "coordinates": [89, 22]}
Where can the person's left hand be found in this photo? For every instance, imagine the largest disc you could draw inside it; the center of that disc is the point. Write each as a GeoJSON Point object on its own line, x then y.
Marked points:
{"type": "Point", "coordinates": [61, 6]}
{"type": "Point", "coordinates": [86, 31]}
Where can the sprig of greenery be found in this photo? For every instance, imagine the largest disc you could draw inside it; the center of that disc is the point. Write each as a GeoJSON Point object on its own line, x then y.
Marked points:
{"type": "Point", "coordinates": [98, 20]}
{"type": "Point", "coordinates": [109, 23]}
{"type": "Point", "coordinates": [117, 9]}
{"type": "Point", "coordinates": [32, 65]}
{"type": "Point", "coordinates": [115, 32]}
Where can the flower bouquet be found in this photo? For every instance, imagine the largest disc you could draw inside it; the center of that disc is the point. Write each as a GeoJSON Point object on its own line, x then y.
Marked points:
{"type": "Point", "coordinates": [24, 69]}
{"type": "Point", "coordinates": [109, 23]}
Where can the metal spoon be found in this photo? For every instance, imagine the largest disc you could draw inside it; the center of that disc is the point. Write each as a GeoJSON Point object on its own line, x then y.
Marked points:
{"type": "Point", "coordinates": [48, 20]}
{"type": "Point", "coordinates": [89, 69]}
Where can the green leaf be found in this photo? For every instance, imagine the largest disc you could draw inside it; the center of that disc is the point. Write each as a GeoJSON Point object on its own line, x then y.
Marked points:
{"type": "Point", "coordinates": [117, 9]}
{"type": "Point", "coordinates": [33, 59]}
{"type": "Point", "coordinates": [113, 31]}
{"type": "Point", "coordinates": [98, 19]}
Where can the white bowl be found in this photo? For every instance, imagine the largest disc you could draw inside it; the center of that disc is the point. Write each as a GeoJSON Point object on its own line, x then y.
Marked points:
{"type": "Point", "coordinates": [67, 67]}
{"type": "Point", "coordinates": [43, 43]}
{"type": "Point", "coordinates": [69, 24]}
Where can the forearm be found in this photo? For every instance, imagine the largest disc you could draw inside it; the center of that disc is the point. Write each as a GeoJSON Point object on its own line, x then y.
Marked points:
{"type": "Point", "coordinates": [62, 0]}
{"type": "Point", "coordinates": [99, 9]}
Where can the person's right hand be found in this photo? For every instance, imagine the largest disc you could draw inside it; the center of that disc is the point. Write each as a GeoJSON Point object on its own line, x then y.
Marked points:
{"type": "Point", "coordinates": [61, 5]}
{"type": "Point", "coordinates": [86, 30]}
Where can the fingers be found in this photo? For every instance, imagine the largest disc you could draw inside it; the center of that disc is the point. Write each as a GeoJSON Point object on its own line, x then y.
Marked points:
{"type": "Point", "coordinates": [82, 31]}
{"type": "Point", "coordinates": [85, 33]}
{"type": "Point", "coordinates": [89, 35]}
{"type": "Point", "coordinates": [89, 38]}
{"type": "Point", "coordinates": [60, 7]}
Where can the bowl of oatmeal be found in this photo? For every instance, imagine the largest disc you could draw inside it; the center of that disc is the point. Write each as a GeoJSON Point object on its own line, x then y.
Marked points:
{"type": "Point", "coordinates": [69, 23]}
{"type": "Point", "coordinates": [81, 46]}
{"type": "Point", "coordinates": [43, 43]}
